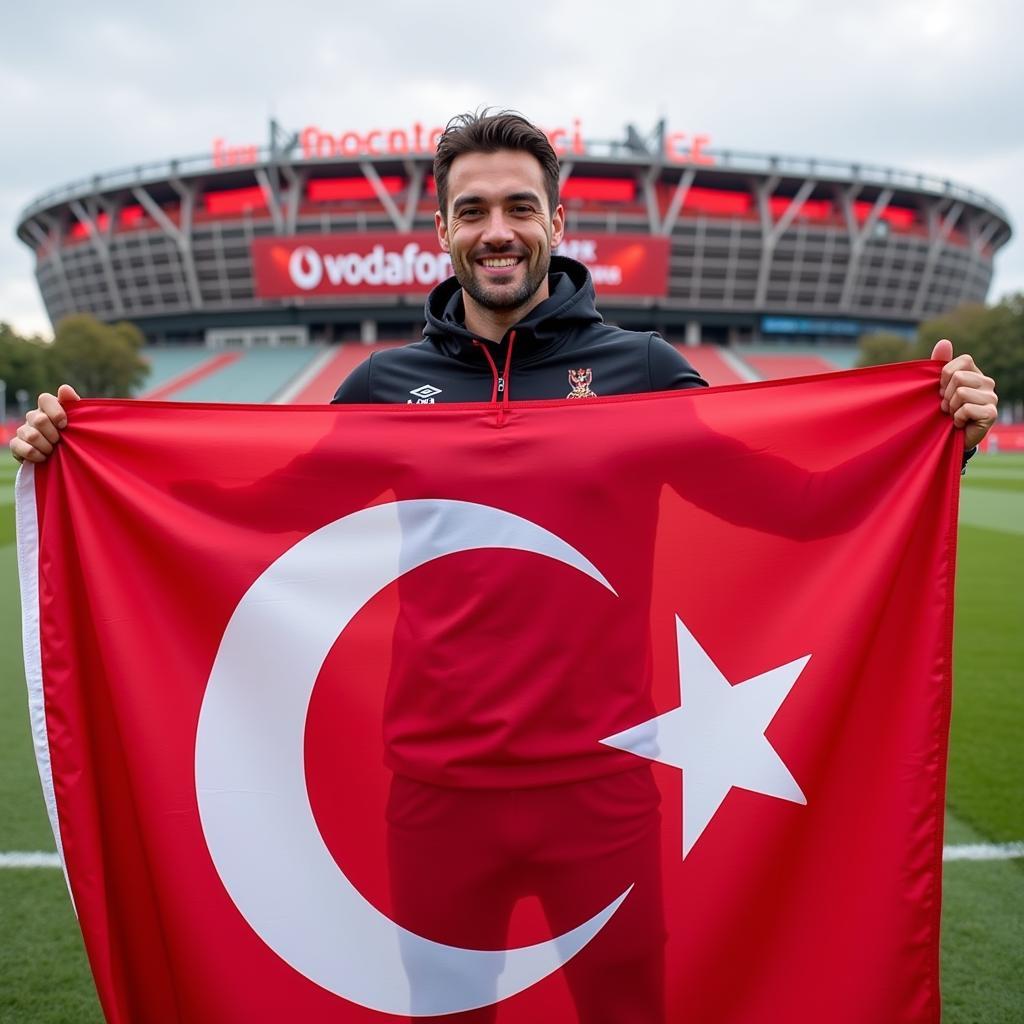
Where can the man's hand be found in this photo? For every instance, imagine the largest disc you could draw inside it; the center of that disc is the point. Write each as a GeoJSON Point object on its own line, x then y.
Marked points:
{"type": "Point", "coordinates": [966, 393]}
{"type": "Point", "coordinates": [34, 440]}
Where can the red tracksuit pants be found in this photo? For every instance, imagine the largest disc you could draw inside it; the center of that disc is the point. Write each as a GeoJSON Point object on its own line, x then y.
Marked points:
{"type": "Point", "coordinates": [460, 860]}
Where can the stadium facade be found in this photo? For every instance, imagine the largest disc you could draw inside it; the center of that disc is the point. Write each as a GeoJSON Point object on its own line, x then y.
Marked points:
{"type": "Point", "coordinates": [322, 236]}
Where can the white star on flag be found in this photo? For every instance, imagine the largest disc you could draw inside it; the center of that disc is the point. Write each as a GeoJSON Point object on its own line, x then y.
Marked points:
{"type": "Point", "coordinates": [716, 736]}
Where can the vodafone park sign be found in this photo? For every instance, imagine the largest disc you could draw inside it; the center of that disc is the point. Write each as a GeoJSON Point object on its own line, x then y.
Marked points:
{"type": "Point", "coordinates": [412, 264]}
{"type": "Point", "coordinates": [409, 268]}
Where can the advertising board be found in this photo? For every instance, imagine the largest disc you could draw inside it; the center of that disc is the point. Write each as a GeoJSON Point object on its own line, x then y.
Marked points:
{"type": "Point", "coordinates": [413, 263]}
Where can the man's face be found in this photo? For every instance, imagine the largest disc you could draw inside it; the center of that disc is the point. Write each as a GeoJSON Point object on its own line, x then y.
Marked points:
{"type": "Point", "coordinates": [499, 230]}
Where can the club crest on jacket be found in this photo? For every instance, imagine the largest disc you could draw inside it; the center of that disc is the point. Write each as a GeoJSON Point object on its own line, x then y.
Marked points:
{"type": "Point", "coordinates": [580, 381]}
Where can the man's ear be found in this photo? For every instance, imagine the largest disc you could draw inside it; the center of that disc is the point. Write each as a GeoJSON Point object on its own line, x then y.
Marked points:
{"type": "Point", "coordinates": [442, 231]}
{"type": "Point", "coordinates": [557, 226]}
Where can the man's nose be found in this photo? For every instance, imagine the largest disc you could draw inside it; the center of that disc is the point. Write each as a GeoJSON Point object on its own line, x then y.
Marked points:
{"type": "Point", "coordinates": [497, 231]}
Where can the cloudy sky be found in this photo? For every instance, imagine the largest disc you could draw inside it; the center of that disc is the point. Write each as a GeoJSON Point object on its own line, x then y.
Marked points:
{"type": "Point", "coordinates": [927, 85]}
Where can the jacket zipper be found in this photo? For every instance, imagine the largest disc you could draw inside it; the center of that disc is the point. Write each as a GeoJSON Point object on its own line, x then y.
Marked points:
{"type": "Point", "coordinates": [500, 379]}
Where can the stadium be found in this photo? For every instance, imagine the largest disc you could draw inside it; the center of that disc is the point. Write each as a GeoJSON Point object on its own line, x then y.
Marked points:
{"type": "Point", "coordinates": [277, 253]}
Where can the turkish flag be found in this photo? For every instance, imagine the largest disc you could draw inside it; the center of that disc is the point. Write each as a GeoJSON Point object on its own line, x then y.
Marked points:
{"type": "Point", "coordinates": [626, 709]}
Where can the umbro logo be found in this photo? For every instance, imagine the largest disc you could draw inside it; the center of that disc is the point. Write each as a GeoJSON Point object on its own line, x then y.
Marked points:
{"type": "Point", "coordinates": [424, 395]}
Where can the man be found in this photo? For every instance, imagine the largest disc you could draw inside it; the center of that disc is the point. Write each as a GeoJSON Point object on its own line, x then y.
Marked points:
{"type": "Point", "coordinates": [515, 321]}
{"type": "Point", "coordinates": [463, 739]}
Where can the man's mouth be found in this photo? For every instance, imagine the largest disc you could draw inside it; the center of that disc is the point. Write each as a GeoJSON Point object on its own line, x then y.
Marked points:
{"type": "Point", "coordinates": [499, 262]}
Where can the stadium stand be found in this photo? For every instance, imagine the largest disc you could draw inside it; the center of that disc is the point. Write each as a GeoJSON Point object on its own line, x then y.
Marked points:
{"type": "Point", "coordinates": [842, 357]}
{"type": "Point", "coordinates": [256, 375]}
{"type": "Point", "coordinates": [168, 363]}
{"type": "Point", "coordinates": [208, 366]}
{"type": "Point", "coordinates": [711, 363]}
{"type": "Point", "coordinates": [309, 375]}
{"type": "Point", "coordinates": [321, 387]}
{"type": "Point", "coordinates": [777, 366]}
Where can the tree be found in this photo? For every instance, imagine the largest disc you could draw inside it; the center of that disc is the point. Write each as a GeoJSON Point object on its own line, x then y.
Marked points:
{"type": "Point", "coordinates": [98, 360]}
{"type": "Point", "coordinates": [884, 347]}
{"type": "Point", "coordinates": [994, 335]}
{"type": "Point", "coordinates": [962, 326]}
{"type": "Point", "coordinates": [22, 362]}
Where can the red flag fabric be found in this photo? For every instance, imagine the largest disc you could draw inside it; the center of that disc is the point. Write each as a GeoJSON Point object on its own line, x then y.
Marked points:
{"type": "Point", "coordinates": [631, 709]}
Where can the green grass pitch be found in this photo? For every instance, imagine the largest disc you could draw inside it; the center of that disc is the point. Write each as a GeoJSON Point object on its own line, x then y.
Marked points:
{"type": "Point", "coordinates": [44, 977]}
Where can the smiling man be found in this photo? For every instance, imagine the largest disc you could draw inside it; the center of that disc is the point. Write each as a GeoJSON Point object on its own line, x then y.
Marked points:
{"type": "Point", "coordinates": [500, 231]}
{"type": "Point", "coordinates": [515, 321]}
{"type": "Point", "coordinates": [499, 223]}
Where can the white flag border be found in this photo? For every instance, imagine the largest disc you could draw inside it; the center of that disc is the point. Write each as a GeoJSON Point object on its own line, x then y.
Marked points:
{"type": "Point", "coordinates": [27, 529]}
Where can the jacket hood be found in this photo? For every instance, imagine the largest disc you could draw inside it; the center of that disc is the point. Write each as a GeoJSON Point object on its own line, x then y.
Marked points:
{"type": "Point", "coordinates": [571, 303]}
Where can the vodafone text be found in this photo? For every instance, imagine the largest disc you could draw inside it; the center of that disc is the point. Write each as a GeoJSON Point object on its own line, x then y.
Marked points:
{"type": "Point", "coordinates": [413, 263]}
{"type": "Point", "coordinates": [411, 266]}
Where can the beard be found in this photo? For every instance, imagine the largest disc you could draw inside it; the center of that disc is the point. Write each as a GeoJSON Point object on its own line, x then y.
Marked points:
{"type": "Point", "coordinates": [497, 296]}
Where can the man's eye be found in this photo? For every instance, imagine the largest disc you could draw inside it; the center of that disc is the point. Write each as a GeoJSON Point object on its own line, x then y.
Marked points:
{"type": "Point", "coordinates": [524, 210]}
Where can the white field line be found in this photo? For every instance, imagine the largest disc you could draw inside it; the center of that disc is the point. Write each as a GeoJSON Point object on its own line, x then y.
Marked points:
{"type": "Point", "coordinates": [964, 851]}
{"type": "Point", "coordinates": [37, 859]}
{"type": "Point", "coordinates": [984, 851]}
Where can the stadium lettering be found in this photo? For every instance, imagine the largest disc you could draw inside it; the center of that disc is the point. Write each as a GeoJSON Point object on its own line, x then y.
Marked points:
{"type": "Point", "coordinates": [585, 250]}
{"type": "Point", "coordinates": [229, 156]}
{"type": "Point", "coordinates": [411, 266]}
{"type": "Point", "coordinates": [563, 142]}
{"type": "Point", "coordinates": [582, 249]}
{"type": "Point", "coordinates": [678, 151]}
{"type": "Point", "coordinates": [317, 144]}
{"type": "Point", "coordinates": [606, 273]}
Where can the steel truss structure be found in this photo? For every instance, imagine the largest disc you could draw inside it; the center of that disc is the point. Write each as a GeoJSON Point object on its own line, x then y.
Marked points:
{"type": "Point", "coordinates": [180, 271]}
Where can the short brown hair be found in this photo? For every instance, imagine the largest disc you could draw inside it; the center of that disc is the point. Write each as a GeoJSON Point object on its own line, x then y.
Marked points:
{"type": "Point", "coordinates": [484, 132]}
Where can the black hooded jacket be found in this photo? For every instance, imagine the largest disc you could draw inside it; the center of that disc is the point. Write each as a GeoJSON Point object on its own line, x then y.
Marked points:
{"type": "Point", "coordinates": [561, 349]}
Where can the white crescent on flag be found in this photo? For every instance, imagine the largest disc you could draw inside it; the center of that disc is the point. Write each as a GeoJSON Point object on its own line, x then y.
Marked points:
{"type": "Point", "coordinates": [250, 774]}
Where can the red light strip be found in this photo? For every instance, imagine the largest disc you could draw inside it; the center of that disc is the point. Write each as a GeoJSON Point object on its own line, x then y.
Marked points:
{"type": "Point", "coordinates": [235, 200]}
{"type": "Point", "coordinates": [897, 216]}
{"type": "Point", "coordinates": [717, 201]}
{"type": "Point", "coordinates": [130, 216]}
{"type": "Point", "coordinates": [327, 190]}
{"type": "Point", "coordinates": [812, 209]}
{"type": "Point", "coordinates": [608, 190]}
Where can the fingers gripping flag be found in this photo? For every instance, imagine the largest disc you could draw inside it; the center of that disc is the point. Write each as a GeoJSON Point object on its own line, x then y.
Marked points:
{"type": "Point", "coordinates": [633, 710]}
